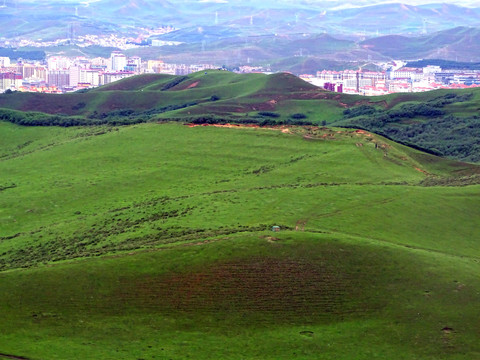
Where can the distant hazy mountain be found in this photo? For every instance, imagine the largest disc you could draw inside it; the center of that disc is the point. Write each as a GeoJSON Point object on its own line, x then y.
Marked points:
{"type": "Point", "coordinates": [402, 19]}
{"type": "Point", "coordinates": [53, 18]}
{"type": "Point", "coordinates": [460, 44]}
{"type": "Point", "coordinates": [288, 34]}
{"type": "Point", "coordinates": [301, 53]}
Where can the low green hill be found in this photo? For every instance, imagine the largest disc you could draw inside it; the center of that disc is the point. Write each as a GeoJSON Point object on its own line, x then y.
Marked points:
{"type": "Point", "coordinates": [220, 97]}
{"type": "Point", "coordinates": [154, 241]}
{"type": "Point", "coordinates": [149, 92]}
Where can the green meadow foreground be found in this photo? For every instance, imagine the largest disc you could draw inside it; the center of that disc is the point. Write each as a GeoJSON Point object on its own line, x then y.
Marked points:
{"type": "Point", "coordinates": [153, 241]}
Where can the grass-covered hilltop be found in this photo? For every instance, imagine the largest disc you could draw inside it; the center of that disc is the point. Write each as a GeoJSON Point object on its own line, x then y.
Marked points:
{"type": "Point", "coordinates": [154, 240]}
{"type": "Point", "coordinates": [444, 122]}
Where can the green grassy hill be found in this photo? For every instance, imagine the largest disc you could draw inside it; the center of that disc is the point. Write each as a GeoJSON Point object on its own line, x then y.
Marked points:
{"type": "Point", "coordinates": [148, 92]}
{"type": "Point", "coordinates": [153, 241]}
{"type": "Point", "coordinates": [228, 96]}
{"type": "Point", "coordinates": [280, 99]}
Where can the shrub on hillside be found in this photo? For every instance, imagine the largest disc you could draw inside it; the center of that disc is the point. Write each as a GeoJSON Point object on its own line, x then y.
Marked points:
{"type": "Point", "coordinates": [359, 111]}
{"type": "Point", "coordinates": [79, 106]}
{"type": "Point", "coordinates": [298, 116]}
{"type": "Point", "coordinates": [173, 83]}
{"type": "Point", "coordinates": [410, 111]}
{"type": "Point", "coordinates": [269, 114]}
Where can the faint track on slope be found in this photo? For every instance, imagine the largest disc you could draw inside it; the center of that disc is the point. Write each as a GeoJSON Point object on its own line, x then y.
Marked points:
{"type": "Point", "coordinates": [7, 356]}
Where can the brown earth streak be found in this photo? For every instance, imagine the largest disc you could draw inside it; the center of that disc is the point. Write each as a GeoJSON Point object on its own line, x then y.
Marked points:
{"type": "Point", "coordinates": [287, 287]}
{"type": "Point", "coordinates": [186, 86]}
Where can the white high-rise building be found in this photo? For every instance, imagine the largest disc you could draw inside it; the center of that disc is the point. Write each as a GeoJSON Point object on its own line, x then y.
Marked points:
{"type": "Point", "coordinates": [90, 76]}
{"type": "Point", "coordinates": [118, 61]}
{"type": "Point", "coordinates": [10, 81]}
{"type": "Point", "coordinates": [135, 64]}
{"type": "Point", "coordinates": [431, 69]}
{"type": "Point", "coordinates": [58, 63]}
{"type": "Point", "coordinates": [59, 78]}
{"type": "Point", "coordinates": [4, 61]}
{"type": "Point", "coordinates": [74, 76]}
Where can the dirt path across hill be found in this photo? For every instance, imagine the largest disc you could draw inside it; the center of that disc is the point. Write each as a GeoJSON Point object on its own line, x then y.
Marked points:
{"type": "Point", "coordinates": [281, 128]}
{"type": "Point", "coordinates": [422, 171]}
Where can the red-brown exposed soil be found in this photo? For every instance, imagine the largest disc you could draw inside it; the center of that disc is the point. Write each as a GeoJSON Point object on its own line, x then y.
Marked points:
{"type": "Point", "coordinates": [291, 287]}
{"type": "Point", "coordinates": [191, 86]}
{"type": "Point", "coordinates": [422, 171]}
{"type": "Point", "coordinates": [281, 128]}
{"type": "Point", "coordinates": [185, 85]}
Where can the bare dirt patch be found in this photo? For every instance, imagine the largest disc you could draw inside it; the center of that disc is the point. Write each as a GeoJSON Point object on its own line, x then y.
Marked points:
{"type": "Point", "coordinates": [363, 132]}
{"type": "Point", "coordinates": [191, 86]}
{"type": "Point", "coordinates": [422, 171]}
{"type": "Point", "coordinates": [294, 288]}
{"type": "Point", "coordinates": [284, 129]}
{"type": "Point", "coordinates": [300, 225]}
{"type": "Point", "coordinates": [447, 330]}
{"type": "Point", "coordinates": [448, 335]}
{"type": "Point", "coordinates": [272, 239]}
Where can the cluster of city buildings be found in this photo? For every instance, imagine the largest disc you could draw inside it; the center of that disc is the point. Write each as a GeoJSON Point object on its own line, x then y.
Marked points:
{"type": "Point", "coordinates": [145, 37]}
{"type": "Point", "coordinates": [401, 79]}
{"type": "Point", "coordinates": [62, 74]}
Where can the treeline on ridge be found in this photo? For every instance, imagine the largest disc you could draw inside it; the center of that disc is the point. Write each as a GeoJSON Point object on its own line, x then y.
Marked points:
{"type": "Point", "coordinates": [425, 126]}
{"type": "Point", "coordinates": [22, 54]}
{"type": "Point", "coordinates": [445, 64]}
{"type": "Point", "coordinates": [129, 117]}
{"type": "Point", "coordinates": [42, 119]}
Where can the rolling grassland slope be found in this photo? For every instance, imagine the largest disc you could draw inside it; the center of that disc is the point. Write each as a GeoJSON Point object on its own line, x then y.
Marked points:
{"type": "Point", "coordinates": [154, 241]}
